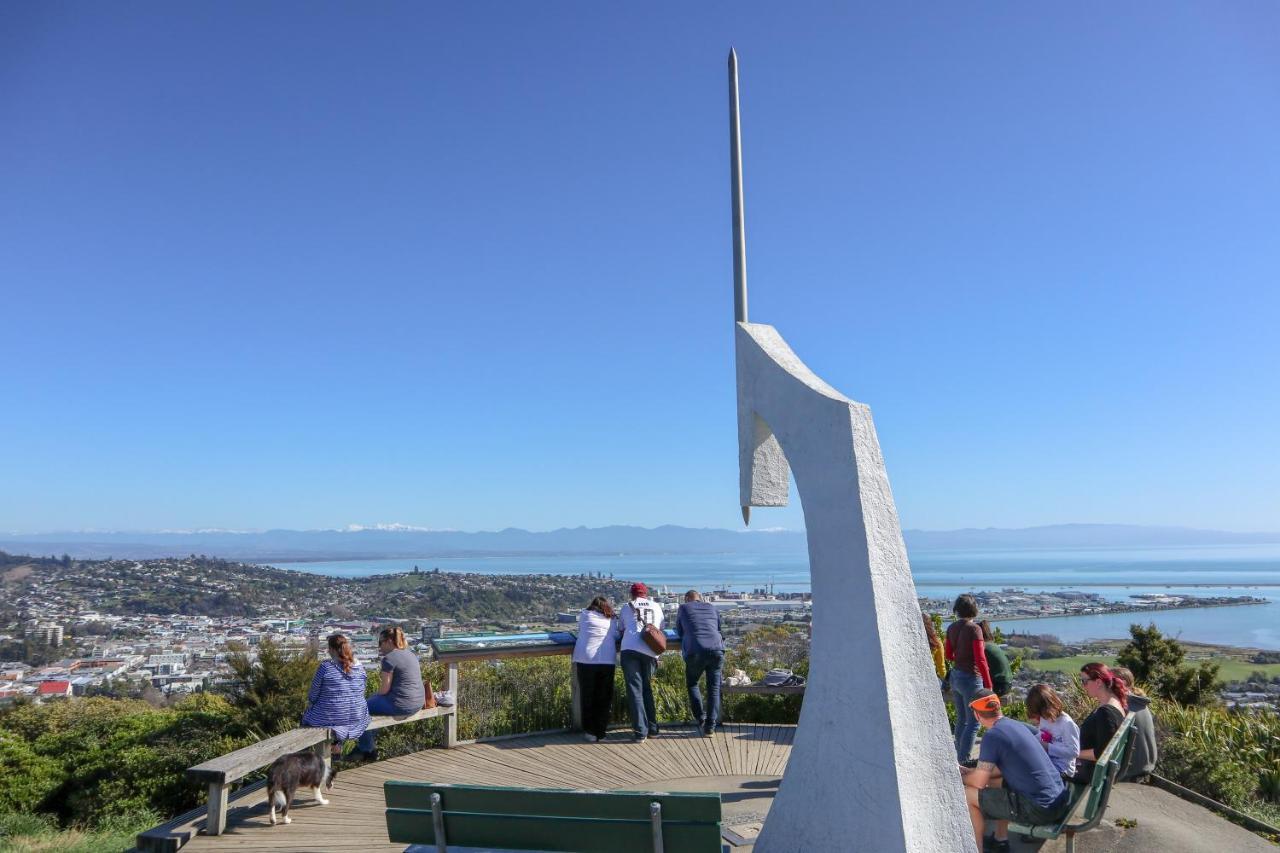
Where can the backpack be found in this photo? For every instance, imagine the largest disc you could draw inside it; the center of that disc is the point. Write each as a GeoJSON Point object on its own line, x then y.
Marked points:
{"type": "Point", "coordinates": [782, 678]}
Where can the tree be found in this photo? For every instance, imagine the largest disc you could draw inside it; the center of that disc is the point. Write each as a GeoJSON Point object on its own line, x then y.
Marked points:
{"type": "Point", "coordinates": [1150, 654]}
{"type": "Point", "coordinates": [1158, 661]}
{"type": "Point", "coordinates": [271, 690]}
{"type": "Point", "coordinates": [1191, 685]}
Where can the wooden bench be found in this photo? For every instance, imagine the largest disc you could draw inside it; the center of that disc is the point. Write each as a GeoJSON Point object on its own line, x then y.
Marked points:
{"type": "Point", "coordinates": [1094, 795]}
{"type": "Point", "coordinates": [499, 819]}
{"type": "Point", "coordinates": [221, 773]}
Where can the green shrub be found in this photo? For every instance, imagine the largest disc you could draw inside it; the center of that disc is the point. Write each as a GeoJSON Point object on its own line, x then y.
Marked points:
{"type": "Point", "coordinates": [26, 778]}
{"type": "Point", "coordinates": [1216, 776]}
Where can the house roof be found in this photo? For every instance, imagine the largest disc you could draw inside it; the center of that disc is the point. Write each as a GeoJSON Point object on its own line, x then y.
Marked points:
{"type": "Point", "coordinates": [47, 688]}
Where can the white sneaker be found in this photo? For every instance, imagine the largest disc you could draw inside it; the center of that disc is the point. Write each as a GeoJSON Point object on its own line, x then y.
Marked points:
{"type": "Point", "coordinates": [590, 738]}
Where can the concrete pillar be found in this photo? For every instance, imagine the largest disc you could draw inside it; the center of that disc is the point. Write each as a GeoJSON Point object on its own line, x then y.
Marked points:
{"type": "Point", "coordinates": [872, 766]}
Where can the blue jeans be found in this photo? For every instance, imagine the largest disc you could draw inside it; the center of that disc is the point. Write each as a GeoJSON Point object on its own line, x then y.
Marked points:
{"type": "Point", "coordinates": [963, 687]}
{"type": "Point", "coordinates": [710, 662]}
{"type": "Point", "coordinates": [637, 674]}
{"type": "Point", "coordinates": [379, 703]}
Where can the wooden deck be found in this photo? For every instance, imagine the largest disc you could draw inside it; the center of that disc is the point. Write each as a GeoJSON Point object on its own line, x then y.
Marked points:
{"type": "Point", "coordinates": [743, 761]}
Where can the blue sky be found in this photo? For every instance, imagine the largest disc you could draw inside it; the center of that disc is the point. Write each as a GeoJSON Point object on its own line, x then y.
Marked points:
{"type": "Point", "coordinates": [467, 266]}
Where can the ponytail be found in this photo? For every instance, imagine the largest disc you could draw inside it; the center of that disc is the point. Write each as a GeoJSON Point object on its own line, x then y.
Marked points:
{"type": "Point", "coordinates": [395, 636]}
{"type": "Point", "coordinates": [1113, 682]}
{"type": "Point", "coordinates": [340, 650]}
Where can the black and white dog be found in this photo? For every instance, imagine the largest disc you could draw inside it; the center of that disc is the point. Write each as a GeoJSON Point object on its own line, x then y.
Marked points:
{"type": "Point", "coordinates": [289, 773]}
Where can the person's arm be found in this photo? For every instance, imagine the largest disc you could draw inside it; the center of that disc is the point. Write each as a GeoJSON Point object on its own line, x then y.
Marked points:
{"type": "Point", "coordinates": [949, 652]}
{"type": "Point", "coordinates": [681, 615]}
{"type": "Point", "coordinates": [385, 677]}
{"type": "Point", "coordinates": [977, 777]}
{"type": "Point", "coordinates": [980, 662]}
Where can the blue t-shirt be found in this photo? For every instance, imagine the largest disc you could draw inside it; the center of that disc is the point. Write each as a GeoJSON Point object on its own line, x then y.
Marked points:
{"type": "Point", "coordinates": [1028, 772]}
{"type": "Point", "coordinates": [698, 624]}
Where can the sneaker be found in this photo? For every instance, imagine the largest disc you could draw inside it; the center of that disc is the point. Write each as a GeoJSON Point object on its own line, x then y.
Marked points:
{"type": "Point", "coordinates": [991, 844]}
{"type": "Point", "coordinates": [590, 738]}
{"type": "Point", "coordinates": [653, 731]}
{"type": "Point", "coordinates": [708, 732]}
{"type": "Point", "coordinates": [638, 738]}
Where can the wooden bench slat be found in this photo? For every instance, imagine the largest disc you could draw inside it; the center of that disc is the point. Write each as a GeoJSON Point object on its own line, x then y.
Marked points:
{"type": "Point", "coordinates": [379, 721]}
{"type": "Point", "coordinates": [236, 765]}
{"type": "Point", "coordinates": [554, 802]}
{"type": "Point", "coordinates": [559, 833]}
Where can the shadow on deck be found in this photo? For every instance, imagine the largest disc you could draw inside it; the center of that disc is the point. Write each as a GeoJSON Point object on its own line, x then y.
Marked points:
{"type": "Point", "coordinates": [744, 762]}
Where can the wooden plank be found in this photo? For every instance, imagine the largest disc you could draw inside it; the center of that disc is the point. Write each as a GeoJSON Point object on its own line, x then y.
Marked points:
{"type": "Point", "coordinates": [764, 689]}
{"type": "Point", "coordinates": [234, 766]}
{"type": "Point", "coordinates": [529, 832]}
{"type": "Point", "coordinates": [379, 721]}
{"type": "Point", "coordinates": [553, 802]}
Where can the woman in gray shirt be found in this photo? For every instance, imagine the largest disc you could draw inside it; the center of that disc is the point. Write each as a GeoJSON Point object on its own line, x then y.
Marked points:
{"type": "Point", "coordinates": [400, 690]}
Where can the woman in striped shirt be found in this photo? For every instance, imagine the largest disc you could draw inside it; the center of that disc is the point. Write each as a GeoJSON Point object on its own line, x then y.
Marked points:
{"type": "Point", "coordinates": [336, 699]}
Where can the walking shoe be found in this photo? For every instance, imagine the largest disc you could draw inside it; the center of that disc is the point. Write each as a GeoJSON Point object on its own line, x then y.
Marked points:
{"type": "Point", "coordinates": [590, 738]}
{"type": "Point", "coordinates": [638, 738]}
{"type": "Point", "coordinates": [991, 844]}
{"type": "Point", "coordinates": [708, 732]}
{"type": "Point", "coordinates": [653, 731]}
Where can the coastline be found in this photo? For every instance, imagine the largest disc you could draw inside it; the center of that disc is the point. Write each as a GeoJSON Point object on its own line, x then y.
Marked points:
{"type": "Point", "coordinates": [1197, 606]}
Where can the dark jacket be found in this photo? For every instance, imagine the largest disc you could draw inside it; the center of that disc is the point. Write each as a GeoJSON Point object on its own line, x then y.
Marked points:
{"type": "Point", "coordinates": [1142, 756]}
{"type": "Point", "coordinates": [698, 624]}
{"type": "Point", "coordinates": [1001, 672]}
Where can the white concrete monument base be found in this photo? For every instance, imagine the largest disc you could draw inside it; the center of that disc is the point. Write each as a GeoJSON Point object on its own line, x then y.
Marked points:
{"type": "Point", "coordinates": [873, 766]}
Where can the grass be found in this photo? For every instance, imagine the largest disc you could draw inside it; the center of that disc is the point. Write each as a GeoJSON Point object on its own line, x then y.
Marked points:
{"type": "Point", "coordinates": [1232, 669]}
{"type": "Point", "coordinates": [26, 833]}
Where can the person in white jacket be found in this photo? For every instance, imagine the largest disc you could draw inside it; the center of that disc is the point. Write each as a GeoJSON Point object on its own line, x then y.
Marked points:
{"type": "Point", "coordinates": [639, 661]}
{"type": "Point", "coordinates": [594, 655]}
{"type": "Point", "coordinates": [1059, 734]}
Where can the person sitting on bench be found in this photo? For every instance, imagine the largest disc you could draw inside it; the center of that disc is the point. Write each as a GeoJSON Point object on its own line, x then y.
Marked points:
{"type": "Point", "coordinates": [1014, 779]}
{"type": "Point", "coordinates": [401, 690]}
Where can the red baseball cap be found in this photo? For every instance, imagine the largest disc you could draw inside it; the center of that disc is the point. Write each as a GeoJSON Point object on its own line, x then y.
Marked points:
{"type": "Point", "coordinates": [639, 589]}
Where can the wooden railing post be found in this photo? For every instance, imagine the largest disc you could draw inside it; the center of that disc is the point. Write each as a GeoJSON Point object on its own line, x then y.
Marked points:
{"type": "Point", "coordinates": [451, 722]}
{"type": "Point", "coordinates": [216, 819]}
{"type": "Point", "coordinates": [325, 754]}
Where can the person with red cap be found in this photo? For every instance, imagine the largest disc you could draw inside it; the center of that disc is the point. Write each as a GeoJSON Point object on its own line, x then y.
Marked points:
{"type": "Point", "coordinates": [639, 661]}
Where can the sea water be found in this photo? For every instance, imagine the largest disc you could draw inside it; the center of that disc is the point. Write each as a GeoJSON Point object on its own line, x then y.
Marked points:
{"type": "Point", "coordinates": [1114, 573]}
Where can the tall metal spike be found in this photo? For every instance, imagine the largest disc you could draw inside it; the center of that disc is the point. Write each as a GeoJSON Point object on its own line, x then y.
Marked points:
{"type": "Point", "coordinates": [735, 176]}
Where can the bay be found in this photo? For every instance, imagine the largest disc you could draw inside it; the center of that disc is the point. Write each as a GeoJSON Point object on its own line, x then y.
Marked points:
{"type": "Point", "coordinates": [1115, 573]}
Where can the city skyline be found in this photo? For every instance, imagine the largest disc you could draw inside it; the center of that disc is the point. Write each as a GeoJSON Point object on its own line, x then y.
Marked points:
{"type": "Point", "coordinates": [469, 271]}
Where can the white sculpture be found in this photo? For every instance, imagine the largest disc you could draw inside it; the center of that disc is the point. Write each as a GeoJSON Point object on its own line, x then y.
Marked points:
{"type": "Point", "coordinates": [873, 764]}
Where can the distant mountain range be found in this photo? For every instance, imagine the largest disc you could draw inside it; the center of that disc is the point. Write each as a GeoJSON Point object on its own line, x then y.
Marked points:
{"type": "Point", "coordinates": [395, 541]}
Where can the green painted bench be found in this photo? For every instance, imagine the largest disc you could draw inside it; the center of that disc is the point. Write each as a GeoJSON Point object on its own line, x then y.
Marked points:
{"type": "Point", "coordinates": [1094, 795]}
{"type": "Point", "coordinates": [445, 817]}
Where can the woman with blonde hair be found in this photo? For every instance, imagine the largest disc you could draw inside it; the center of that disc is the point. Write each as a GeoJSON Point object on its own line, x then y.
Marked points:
{"type": "Point", "coordinates": [935, 647]}
{"type": "Point", "coordinates": [336, 698]}
{"type": "Point", "coordinates": [1143, 751]}
{"type": "Point", "coordinates": [400, 687]}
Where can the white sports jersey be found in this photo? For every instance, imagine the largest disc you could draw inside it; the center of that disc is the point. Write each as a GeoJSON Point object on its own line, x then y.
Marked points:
{"type": "Point", "coordinates": [634, 613]}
